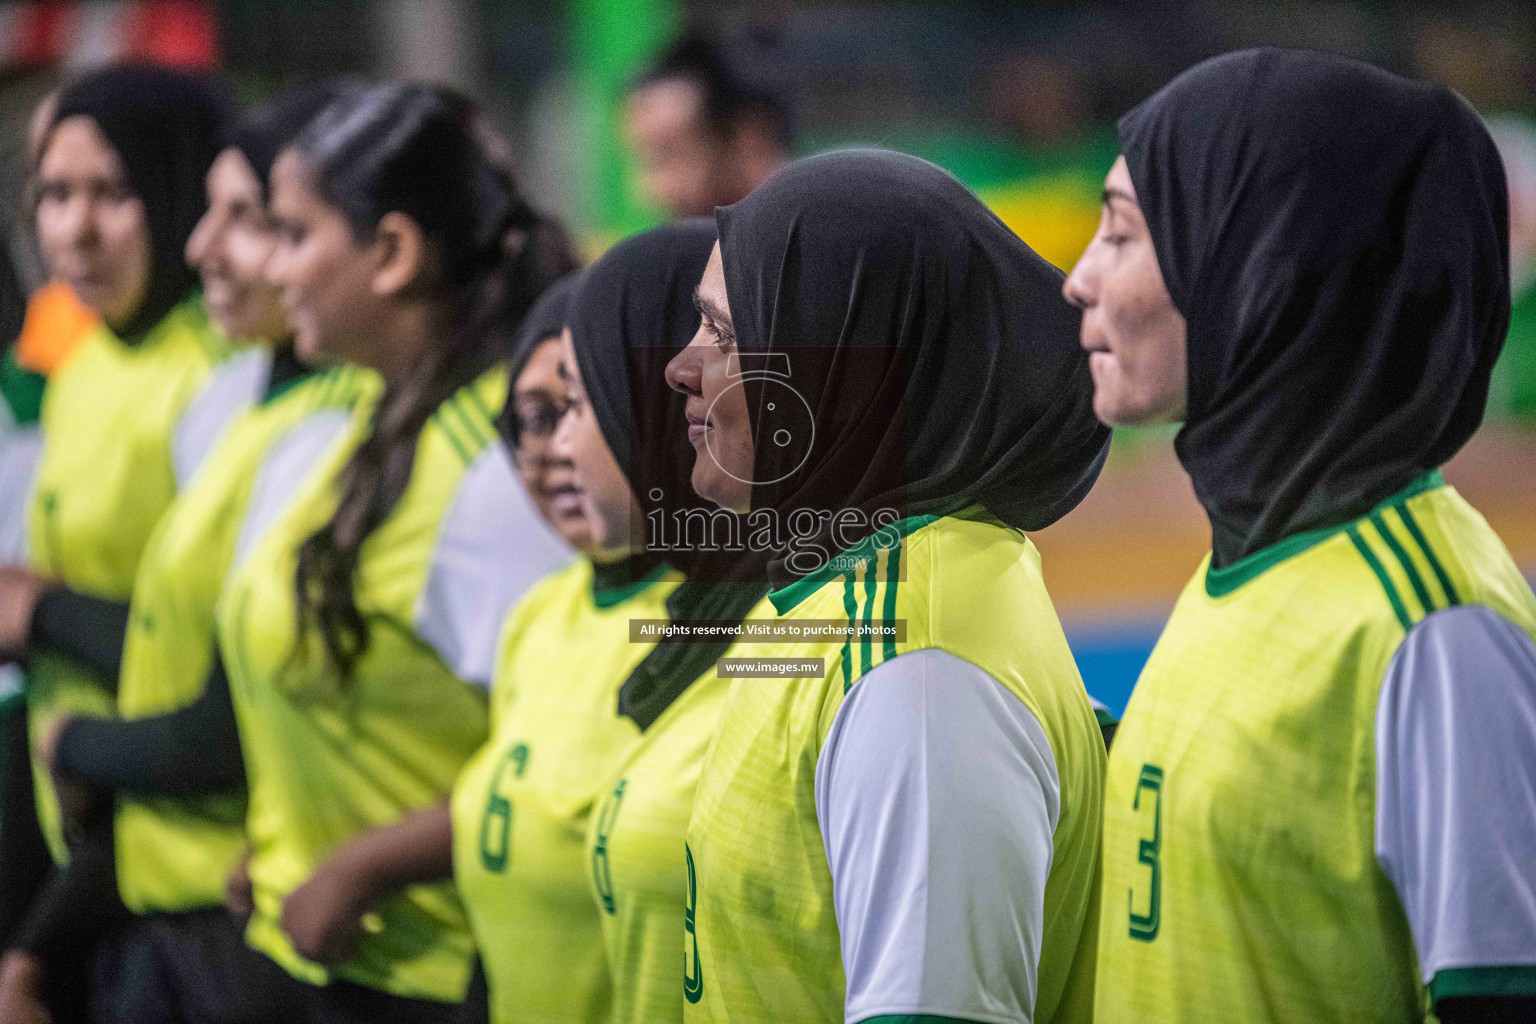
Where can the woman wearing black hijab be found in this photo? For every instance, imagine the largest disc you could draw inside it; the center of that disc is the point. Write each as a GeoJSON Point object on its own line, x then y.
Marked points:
{"type": "Point", "coordinates": [1323, 796]}
{"type": "Point", "coordinates": [555, 750]}
{"type": "Point", "coordinates": [633, 314]}
{"type": "Point", "coordinates": [887, 384]}
{"type": "Point", "coordinates": [173, 762]}
{"type": "Point", "coordinates": [119, 187]}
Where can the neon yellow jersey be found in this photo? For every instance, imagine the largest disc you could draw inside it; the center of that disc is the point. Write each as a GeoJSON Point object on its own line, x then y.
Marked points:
{"type": "Point", "coordinates": [639, 882]}
{"type": "Point", "coordinates": [175, 853]}
{"type": "Point", "coordinates": [108, 472]}
{"type": "Point", "coordinates": [522, 804]}
{"type": "Point", "coordinates": [1243, 846]}
{"type": "Point", "coordinates": [764, 928]}
{"type": "Point", "coordinates": [327, 759]}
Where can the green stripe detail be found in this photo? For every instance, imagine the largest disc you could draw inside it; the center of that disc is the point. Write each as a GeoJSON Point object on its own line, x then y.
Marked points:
{"type": "Point", "coordinates": [850, 608]}
{"type": "Point", "coordinates": [478, 439]}
{"type": "Point", "coordinates": [1516, 980]}
{"type": "Point", "coordinates": [480, 426]}
{"type": "Point", "coordinates": [472, 395]}
{"type": "Point", "coordinates": [453, 437]}
{"type": "Point", "coordinates": [871, 583]}
{"type": "Point", "coordinates": [786, 598]}
{"type": "Point", "coordinates": [1381, 576]}
{"type": "Point", "coordinates": [1414, 580]}
{"type": "Point", "coordinates": [892, 577]}
{"type": "Point", "coordinates": [1221, 582]}
{"type": "Point", "coordinates": [1406, 515]}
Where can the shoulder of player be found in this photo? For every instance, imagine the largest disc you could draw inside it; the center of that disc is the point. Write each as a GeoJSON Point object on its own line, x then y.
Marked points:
{"type": "Point", "coordinates": [460, 430]}
{"type": "Point", "coordinates": [1377, 576]}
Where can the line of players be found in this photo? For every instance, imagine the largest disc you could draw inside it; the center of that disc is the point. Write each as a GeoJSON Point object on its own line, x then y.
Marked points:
{"type": "Point", "coordinates": [327, 724]}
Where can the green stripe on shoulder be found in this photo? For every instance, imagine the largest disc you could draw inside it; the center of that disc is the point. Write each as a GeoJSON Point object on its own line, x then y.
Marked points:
{"type": "Point", "coordinates": [482, 410]}
{"type": "Point", "coordinates": [1516, 980]}
{"type": "Point", "coordinates": [1223, 581]}
{"type": "Point", "coordinates": [451, 434]}
{"type": "Point", "coordinates": [892, 578]}
{"type": "Point", "coordinates": [1381, 576]}
{"type": "Point", "coordinates": [851, 610]}
{"type": "Point", "coordinates": [1406, 515]}
{"type": "Point", "coordinates": [475, 428]}
{"type": "Point", "coordinates": [1415, 581]}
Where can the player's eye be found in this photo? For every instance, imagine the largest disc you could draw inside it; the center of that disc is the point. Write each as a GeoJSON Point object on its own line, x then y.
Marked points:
{"type": "Point", "coordinates": [724, 339]}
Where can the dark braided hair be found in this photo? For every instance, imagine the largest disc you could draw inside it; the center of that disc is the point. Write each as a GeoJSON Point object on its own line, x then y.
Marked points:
{"type": "Point", "coordinates": [429, 153]}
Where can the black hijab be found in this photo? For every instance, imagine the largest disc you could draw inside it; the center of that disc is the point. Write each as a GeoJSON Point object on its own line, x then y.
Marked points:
{"type": "Point", "coordinates": [166, 127]}
{"type": "Point", "coordinates": [545, 320]}
{"type": "Point", "coordinates": [937, 358]}
{"type": "Point", "coordinates": [630, 315]}
{"type": "Point", "coordinates": [1336, 238]}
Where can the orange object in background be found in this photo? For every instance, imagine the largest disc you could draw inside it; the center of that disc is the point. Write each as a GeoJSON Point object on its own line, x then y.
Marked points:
{"type": "Point", "coordinates": [55, 325]}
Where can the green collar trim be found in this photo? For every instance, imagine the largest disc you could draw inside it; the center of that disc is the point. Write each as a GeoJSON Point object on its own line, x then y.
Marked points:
{"type": "Point", "coordinates": [1221, 582]}
{"type": "Point", "coordinates": [21, 391]}
{"type": "Point", "coordinates": [612, 597]}
{"type": "Point", "coordinates": [291, 383]}
{"type": "Point", "coordinates": [1459, 982]}
{"type": "Point", "coordinates": [786, 598]}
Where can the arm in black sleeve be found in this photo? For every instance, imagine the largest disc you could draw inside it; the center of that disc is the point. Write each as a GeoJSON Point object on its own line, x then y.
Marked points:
{"type": "Point", "coordinates": [195, 749]}
{"type": "Point", "coordinates": [79, 904]}
{"type": "Point", "coordinates": [87, 630]}
{"type": "Point", "coordinates": [24, 858]}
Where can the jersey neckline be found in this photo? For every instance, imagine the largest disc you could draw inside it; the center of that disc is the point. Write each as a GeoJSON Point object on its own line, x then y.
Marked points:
{"type": "Point", "coordinates": [1221, 582]}
{"type": "Point", "coordinates": [606, 597]}
{"type": "Point", "coordinates": [787, 597]}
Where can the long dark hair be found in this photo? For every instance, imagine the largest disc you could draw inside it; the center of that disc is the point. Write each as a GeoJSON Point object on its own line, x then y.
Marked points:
{"type": "Point", "coordinates": [429, 153]}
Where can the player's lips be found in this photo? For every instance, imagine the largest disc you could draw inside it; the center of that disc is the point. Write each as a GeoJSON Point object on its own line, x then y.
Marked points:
{"type": "Point", "coordinates": [565, 497]}
{"type": "Point", "coordinates": [697, 427]}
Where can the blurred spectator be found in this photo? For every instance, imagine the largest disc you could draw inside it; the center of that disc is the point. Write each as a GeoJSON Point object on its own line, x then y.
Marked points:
{"type": "Point", "coordinates": [704, 131]}
{"type": "Point", "coordinates": [1514, 384]}
{"type": "Point", "coordinates": [1041, 102]}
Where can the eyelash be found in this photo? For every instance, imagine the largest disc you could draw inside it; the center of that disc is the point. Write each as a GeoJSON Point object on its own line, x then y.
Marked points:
{"type": "Point", "coordinates": [723, 338]}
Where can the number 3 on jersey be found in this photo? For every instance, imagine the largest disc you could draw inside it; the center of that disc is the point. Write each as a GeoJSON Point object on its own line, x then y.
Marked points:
{"type": "Point", "coordinates": [1144, 926]}
{"type": "Point", "coordinates": [496, 826]}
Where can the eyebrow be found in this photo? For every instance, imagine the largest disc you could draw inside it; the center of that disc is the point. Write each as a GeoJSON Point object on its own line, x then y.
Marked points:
{"type": "Point", "coordinates": [713, 312]}
{"type": "Point", "coordinates": [1111, 194]}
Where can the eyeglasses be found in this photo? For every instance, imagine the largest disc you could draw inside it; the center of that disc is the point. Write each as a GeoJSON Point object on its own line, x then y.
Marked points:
{"type": "Point", "coordinates": [538, 419]}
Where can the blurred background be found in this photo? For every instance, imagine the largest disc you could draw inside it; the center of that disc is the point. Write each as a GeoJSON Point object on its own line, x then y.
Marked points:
{"type": "Point", "coordinates": [1019, 100]}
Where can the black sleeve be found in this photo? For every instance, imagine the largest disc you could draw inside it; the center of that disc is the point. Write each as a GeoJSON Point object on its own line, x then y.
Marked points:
{"type": "Point", "coordinates": [195, 749]}
{"type": "Point", "coordinates": [24, 857]}
{"type": "Point", "coordinates": [79, 904]}
{"type": "Point", "coordinates": [86, 630]}
{"type": "Point", "coordinates": [1486, 1010]}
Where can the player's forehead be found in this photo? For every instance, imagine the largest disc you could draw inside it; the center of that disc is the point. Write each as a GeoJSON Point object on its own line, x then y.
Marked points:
{"type": "Point", "coordinates": [77, 150]}
{"type": "Point", "coordinates": [1119, 191]}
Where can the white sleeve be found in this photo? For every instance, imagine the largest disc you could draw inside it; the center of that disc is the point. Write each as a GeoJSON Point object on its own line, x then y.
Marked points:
{"type": "Point", "coordinates": [1456, 796]}
{"type": "Point", "coordinates": [938, 796]}
{"type": "Point", "coordinates": [230, 389]}
{"type": "Point", "coordinates": [287, 465]}
{"type": "Point", "coordinates": [493, 548]}
{"type": "Point", "coordinates": [19, 452]}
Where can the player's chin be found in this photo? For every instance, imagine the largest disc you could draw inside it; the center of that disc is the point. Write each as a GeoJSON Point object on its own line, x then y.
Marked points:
{"type": "Point", "coordinates": [1116, 403]}
{"type": "Point", "coordinates": [714, 484]}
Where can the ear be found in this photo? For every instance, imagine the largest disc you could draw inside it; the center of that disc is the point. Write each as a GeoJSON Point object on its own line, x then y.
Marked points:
{"type": "Point", "coordinates": [401, 251]}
